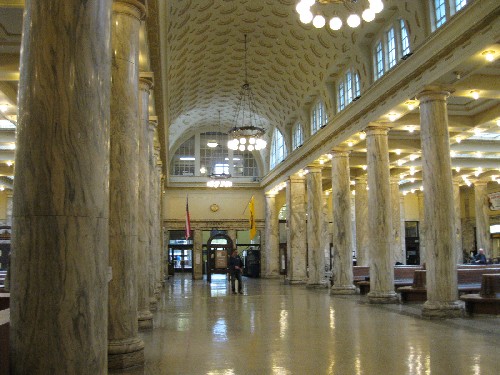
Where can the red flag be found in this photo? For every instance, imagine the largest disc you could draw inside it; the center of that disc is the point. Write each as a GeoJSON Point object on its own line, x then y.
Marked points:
{"type": "Point", "coordinates": [188, 221]}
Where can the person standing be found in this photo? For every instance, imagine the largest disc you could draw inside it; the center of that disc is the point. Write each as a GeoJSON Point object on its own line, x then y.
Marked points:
{"type": "Point", "coordinates": [235, 271]}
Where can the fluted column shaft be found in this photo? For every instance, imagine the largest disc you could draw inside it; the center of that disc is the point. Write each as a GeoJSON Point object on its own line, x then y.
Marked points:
{"type": "Point", "coordinates": [342, 229]}
{"type": "Point", "coordinates": [59, 291]}
{"type": "Point", "coordinates": [297, 232]}
{"type": "Point", "coordinates": [421, 227]}
{"type": "Point", "coordinates": [396, 251]}
{"type": "Point", "coordinates": [315, 254]}
{"type": "Point", "coordinates": [362, 235]}
{"type": "Point", "coordinates": [326, 235]}
{"type": "Point", "coordinates": [482, 217]}
{"type": "Point", "coordinates": [158, 218]}
{"type": "Point", "coordinates": [458, 223]}
{"type": "Point", "coordinates": [439, 209]}
{"type": "Point", "coordinates": [125, 348]}
{"type": "Point", "coordinates": [379, 217]}
{"type": "Point", "coordinates": [271, 244]}
{"type": "Point", "coordinates": [403, 225]}
{"type": "Point", "coordinates": [145, 282]}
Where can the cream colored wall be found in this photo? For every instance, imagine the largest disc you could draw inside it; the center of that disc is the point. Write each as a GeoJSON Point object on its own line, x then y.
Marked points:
{"type": "Point", "coordinates": [232, 204]}
{"type": "Point", "coordinates": [411, 207]}
{"type": "Point", "coordinates": [3, 205]}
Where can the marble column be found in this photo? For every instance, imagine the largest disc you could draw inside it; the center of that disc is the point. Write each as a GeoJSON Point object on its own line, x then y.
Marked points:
{"type": "Point", "coordinates": [315, 255]}
{"type": "Point", "coordinates": [342, 230]}
{"type": "Point", "coordinates": [362, 235]}
{"type": "Point", "coordinates": [402, 225]}
{"type": "Point", "coordinates": [379, 217]}
{"type": "Point", "coordinates": [296, 233]}
{"type": "Point", "coordinates": [270, 257]}
{"type": "Point", "coordinates": [482, 217]}
{"type": "Point", "coordinates": [396, 250]}
{"type": "Point", "coordinates": [59, 290]}
{"type": "Point", "coordinates": [439, 211]}
{"type": "Point", "coordinates": [458, 222]}
{"type": "Point", "coordinates": [198, 255]}
{"type": "Point", "coordinates": [145, 282]}
{"type": "Point", "coordinates": [152, 210]}
{"type": "Point", "coordinates": [326, 235]}
{"type": "Point", "coordinates": [159, 226]}
{"type": "Point", "coordinates": [232, 235]}
{"type": "Point", "coordinates": [9, 209]}
{"type": "Point", "coordinates": [421, 227]}
{"type": "Point", "coordinates": [125, 348]}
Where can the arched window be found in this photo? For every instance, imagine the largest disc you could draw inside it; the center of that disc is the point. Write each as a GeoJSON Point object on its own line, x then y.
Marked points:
{"type": "Point", "coordinates": [442, 10]}
{"type": "Point", "coordinates": [278, 149]}
{"type": "Point", "coordinates": [297, 136]}
{"type": "Point", "coordinates": [349, 89]}
{"type": "Point", "coordinates": [392, 45]}
{"type": "Point", "coordinates": [319, 117]}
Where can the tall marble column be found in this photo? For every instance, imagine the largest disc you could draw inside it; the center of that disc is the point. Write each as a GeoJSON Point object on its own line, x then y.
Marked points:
{"type": "Point", "coordinates": [159, 226]}
{"type": "Point", "coordinates": [125, 348]}
{"type": "Point", "coordinates": [403, 225]}
{"type": "Point", "coordinates": [315, 255]}
{"type": "Point", "coordinates": [9, 209]}
{"type": "Point", "coordinates": [232, 235]}
{"type": "Point", "coordinates": [198, 255]}
{"type": "Point", "coordinates": [342, 232]}
{"type": "Point", "coordinates": [59, 291]}
{"type": "Point", "coordinates": [458, 222]}
{"type": "Point", "coordinates": [379, 217]}
{"type": "Point", "coordinates": [439, 210]}
{"type": "Point", "coordinates": [326, 235]}
{"type": "Point", "coordinates": [421, 227]}
{"type": "Point", "coordinates": [482, 217]}
{"type": "Point", "coordinates": [362, 235]}
{"type": "Point", "coordinates": [396, 250]}
{"type": "Point", "coordinates": [145, 282]}
{"type": "Point", "coordinates": [271, 245]}
{"type": "Point", "coordinates": [296, 233]}
{"type": "Point", "coordinates": [154, 220]}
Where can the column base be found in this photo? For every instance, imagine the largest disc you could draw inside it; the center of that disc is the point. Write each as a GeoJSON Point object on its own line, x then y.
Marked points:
{"type": "Point", "coordinates": [383, 297]}
{"type": "Point", "coordinates": [443, 310]}
{"type": "Point", "coordinates": [342, 289]}
{"type": "Point", "coordinates": [317, 286]}
{"type": "Point", "coordinates": [124, 354]}
{"type": "Point", "coordinates": [270, 276]}
{"type": "Point", "coordinates": [145, 320]}
{"type": "Point", "coordinates": [295, 282]}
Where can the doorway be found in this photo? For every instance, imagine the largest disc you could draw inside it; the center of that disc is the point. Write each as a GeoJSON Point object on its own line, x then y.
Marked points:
{"type": "Point", "coordinates": [219, 248]}
{"type": "Point", "coordinates": [181, 258]}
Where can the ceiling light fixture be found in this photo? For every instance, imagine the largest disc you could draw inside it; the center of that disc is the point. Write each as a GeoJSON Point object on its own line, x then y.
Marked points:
{"type": "Point", "coordinates": [489, 55]}
{"type": "Point", "coordinates": [354, 9]}
{"type": "Point", "coordinates": [245, 134]}
{"type": "Point", "coordinates": [475, 94]}
{"type": "Point", "coordinates": [392, 117]}
{"type": "Point", "coordinates": [362, 135]}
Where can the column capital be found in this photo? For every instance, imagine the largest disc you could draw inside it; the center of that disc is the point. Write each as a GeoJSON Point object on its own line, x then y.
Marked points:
{"type": "Point", "coordinates": [134, 8]}
{"type": "Point", "coordinates": [361, 179]}
{"type": "Point", "coordinates": [153, 123]}
{"type": "Point", "coordinates": [377, 128]}
{"type": "Point", "coordinates": [337, 153]}
{"type": "Point", "coordinates": [480, 183]}
{"type": "Point", "coordinates": [394, 180]}
{"type": "Point", "coordinates": [314, 168]}
{"type": "Point", "coordinates": [433, 93]}
{"type": "Point", "coordinates": [146, 81]}
{"type": "Point", "coordinates": [270, 194]}
{"type": "Point", "coordinates": [296, 178]}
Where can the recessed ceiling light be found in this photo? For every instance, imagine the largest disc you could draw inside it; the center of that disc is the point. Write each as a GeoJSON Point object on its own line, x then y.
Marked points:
{"type": "Point", "coordinates": [489, 55]}
{"type": "Point", "coordinates": [475, 94]}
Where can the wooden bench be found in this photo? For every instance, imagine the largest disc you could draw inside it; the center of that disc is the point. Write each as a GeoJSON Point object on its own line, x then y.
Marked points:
{"type": "Point", "coordinates": [403, 275]}
{"type": "Point", "coordinates": [468, 281]}
{"type": "Point", "coordinates": [487, 301]}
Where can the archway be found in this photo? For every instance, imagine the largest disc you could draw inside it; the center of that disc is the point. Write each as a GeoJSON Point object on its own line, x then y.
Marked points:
{"type": "Point", "coordinates": [219, 248]}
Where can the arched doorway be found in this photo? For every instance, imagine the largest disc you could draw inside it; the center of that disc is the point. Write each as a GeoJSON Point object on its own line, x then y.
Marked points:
{"type": "Point", "coordinates": [219, 248]}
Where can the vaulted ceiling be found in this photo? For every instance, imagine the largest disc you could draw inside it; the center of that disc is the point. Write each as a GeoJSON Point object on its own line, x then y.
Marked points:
{"type": "Point", "coordinates": [198, 58]}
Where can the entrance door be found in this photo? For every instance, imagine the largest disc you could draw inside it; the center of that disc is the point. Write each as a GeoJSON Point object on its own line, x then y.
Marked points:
{"type": "Point", "coordinates": [219, 248]}
{"type": "Point", "coordinates": [182, 259]}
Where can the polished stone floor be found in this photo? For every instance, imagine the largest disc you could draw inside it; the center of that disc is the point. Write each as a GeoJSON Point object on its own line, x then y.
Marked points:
{"type": "Point", "coordinates": [280, 329]}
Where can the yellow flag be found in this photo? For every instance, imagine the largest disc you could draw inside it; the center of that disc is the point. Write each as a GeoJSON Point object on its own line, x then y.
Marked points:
{"type": "Point", "coordinates": [251, 208]}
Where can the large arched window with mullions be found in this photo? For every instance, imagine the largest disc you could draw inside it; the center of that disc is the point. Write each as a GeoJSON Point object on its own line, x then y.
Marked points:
{"type": "Point", "coordinates": [278, 149]}
{"type": "Point", "coordinates": [319, 117]}
{"type": "Point", "coordinates": [348, 89]}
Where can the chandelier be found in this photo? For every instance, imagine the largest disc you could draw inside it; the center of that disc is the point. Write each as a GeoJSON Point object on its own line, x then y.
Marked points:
{"type": "Point", "coordinates": [245, 134]}
{"type": "Point", "coordinates": [371, 8]}
{"type": "Point", "coordinates": [219, 177]}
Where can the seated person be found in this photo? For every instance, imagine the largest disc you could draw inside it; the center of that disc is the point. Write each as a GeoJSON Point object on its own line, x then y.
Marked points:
{"type": "Point", "coordinates": [480, 258]}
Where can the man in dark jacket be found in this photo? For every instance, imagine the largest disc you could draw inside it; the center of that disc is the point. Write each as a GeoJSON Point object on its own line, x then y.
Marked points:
{"type": "Point", "coordinates": [235, 270]}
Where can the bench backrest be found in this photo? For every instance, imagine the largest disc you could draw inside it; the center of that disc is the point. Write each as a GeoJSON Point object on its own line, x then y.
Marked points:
{"type": "Point", "coordinates": [405, 272]}
{"type": "Point", "coordinates": [464, 276]}
{"type": "Point", "coordinates": [360, 272]}
{"type": "Point", "coordinates": [490, 285]}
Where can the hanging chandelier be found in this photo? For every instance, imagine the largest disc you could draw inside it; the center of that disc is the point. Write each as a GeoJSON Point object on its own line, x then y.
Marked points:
{"type": "Point", "coordinates": [310, 10]}
{"type": "Point", "coordinates": [220, 176]}
{"type": "Point", "coordinates": [245, 134]}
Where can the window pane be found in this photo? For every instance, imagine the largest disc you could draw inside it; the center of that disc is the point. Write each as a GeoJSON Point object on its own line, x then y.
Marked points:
{"type": "Point", "coordinates": [341, 97]}
{"type": "Point", "coordinates": [379, 55]}
{"type": "Point", "coordinates": [405, 41]}
{"type": "Point", "coordinates": [440, 12]}
{"type": "Point", "coordinates": [314, 123]}
{"type": "Point", "coordinates": [391, 48]}
{"type": "Point", "coordinates": [181, 166]}
{"type": "Point", "coordinates": [297, 136]}
{"type": "Point", "coordinates": [459, 4]}
{"type": "Point", "coordinates": [278, 151]}
{"type": "Point", "coordinates": [348, 82]}
{"type": "Point", "coordinates": [357, 85]}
